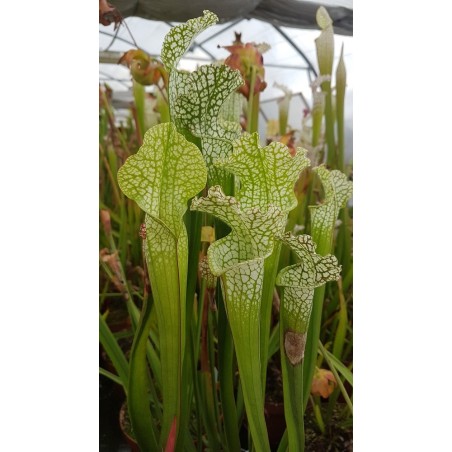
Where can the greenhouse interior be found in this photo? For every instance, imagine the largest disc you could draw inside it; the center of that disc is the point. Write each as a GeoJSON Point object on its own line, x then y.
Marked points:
{"type": "Point", "coordinates": [226, 225]}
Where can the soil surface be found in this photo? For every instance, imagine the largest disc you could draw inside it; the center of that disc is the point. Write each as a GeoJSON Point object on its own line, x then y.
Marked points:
{"type": "Point", "coordinates": [110, 435]}
{"type": "Point", "coordinates": [338, 436]}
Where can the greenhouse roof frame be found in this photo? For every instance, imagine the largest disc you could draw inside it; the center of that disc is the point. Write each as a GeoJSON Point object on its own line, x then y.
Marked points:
{"type": "Point", "coordinates": [289, 13]}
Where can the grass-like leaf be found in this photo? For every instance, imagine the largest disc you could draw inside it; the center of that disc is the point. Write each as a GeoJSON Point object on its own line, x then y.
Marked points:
{"type": "Point", "coordinates": [114, 352]}
{"type": "Point", "coordinates": [333, 361]}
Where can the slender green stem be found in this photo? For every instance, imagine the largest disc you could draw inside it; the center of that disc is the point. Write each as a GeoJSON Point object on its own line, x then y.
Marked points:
{"type": "Point", "coordinates": [113, 182]}
{"type": "Point", "coordinates": [163, 107]}
{"type": "Point", "coordinates": [194, 225]}
{"type": "Point", "coordinates": [195, 339]}
{"type": "Point", "coordinates": [194, 222]}
{"type": "Point", "coordinates": [313, 336]}
{"type": "Point", "coordinates": [113, 128]}
{"type": "Point", "coordinates": [114, 352]}
{"type": "Point", "coordinates": [255, 113]}
{"type": "Point", "coordinates": [151, 352]}
{"type": "Point", "coordinates": [329, 127]}
{"type": "Point", "coordinates": [253, 105]}
{"type": "Point", "coordinates": [293, 395]}
{"type": "Point", "coordinates": [344, 252]}
{"type": "Point", "coordinates": [293, 405]}
{"type": "Point", "coordinates": [240, 404]}
{"type": "Point", "coordinates": [205, 377]}
{"type": "Point", "coordinates": [112, 377]}
{"type": "Point", "coordinates": [226, 358]}
{"type": "Point", "coordinates": [124, 234]}
{"type": "Point", "coordinates": [341, 331]}
{"type": "Point", "coordinates": [139, 95]}
{"type": "Point", "coordinates": [212, 368]}
{"type": "Point", "coordinates": [273, 344]}
{"type": "Point", "coordinates": [283, 114]}
{"type": "Point", "coordinates": [139, 405]}
{"type": "Point", "coordinates": [186, 392]}
{"type": "Point", "coordinates": [270, 272]}
{"type": "Point", "coordinates": [318, 413]}
{"type": "Point", "coordinates": [317, 117]}
{"type": "Point", "coordinates": [284, 443]}
{"type": "Point", "coordinates": [226, 378]}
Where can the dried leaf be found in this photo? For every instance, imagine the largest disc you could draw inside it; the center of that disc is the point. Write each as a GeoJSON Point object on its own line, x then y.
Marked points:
{"type": "Point", "coordinates": [105, 220]}
{"type": "Point", "coordinates": [144, 69]}
{"type": "Point", "coordinates": [323, 383]}
{"type": "Point", "coordinates": [112, 260]}
{"type": "Point", "coordinates": [108, 14]}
